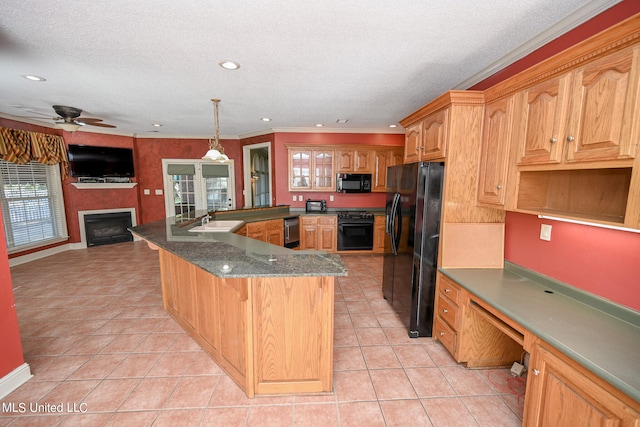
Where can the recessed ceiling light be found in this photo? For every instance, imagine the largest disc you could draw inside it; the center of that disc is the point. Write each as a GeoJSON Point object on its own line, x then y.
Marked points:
{"type": "Point", "coordinates": [156, 125]}
{"type": "Point", "coordinates": [342, 121]}
{"type": "Point", "coordinates": [229, 65]}
{"type": "Point", "coordinates": [319, 125]}
{"type": "Point", "coordinates": [393, 126]}
{"type": "Point", "coordinates": [265, 119]}
{"type": "Point", "coordinates": [34, 78]}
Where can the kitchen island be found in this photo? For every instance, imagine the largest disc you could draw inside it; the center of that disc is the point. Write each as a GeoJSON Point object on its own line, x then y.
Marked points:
{"type": "Point", "coordinates": [263, 312]}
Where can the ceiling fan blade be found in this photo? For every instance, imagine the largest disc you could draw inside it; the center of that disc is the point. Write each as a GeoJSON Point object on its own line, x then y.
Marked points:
{"type": "Point", "coordinates": [102, 125]}
{"type": "Point", "coordinates": [88, 120]}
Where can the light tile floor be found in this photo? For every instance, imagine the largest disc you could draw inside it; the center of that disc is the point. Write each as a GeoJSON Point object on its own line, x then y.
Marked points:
{"type": "Point", "coordinates": [99, 343]}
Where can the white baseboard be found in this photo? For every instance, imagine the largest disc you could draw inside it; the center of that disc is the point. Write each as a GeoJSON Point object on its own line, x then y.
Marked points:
{"type": "Point", "coordinates": [14, 379]}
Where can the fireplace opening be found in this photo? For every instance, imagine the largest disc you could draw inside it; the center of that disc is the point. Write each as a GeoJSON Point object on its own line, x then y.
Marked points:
{"type": "Point", "coordinates": [107, 228]}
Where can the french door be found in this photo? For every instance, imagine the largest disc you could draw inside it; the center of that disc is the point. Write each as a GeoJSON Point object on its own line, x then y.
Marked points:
{"type": "Point", "coordinates": [192, 185]}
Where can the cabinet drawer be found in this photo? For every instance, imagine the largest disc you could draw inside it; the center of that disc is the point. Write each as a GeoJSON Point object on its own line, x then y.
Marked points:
{"type": "Point", "coordinates": [308, 220]}
{"type": "Point", "coordinates": [447, 311]}
{"type": "Point", "coordinates": [443, 333]}
{"type": "Point", "coordinates": [327, 220]}
{"type": "Point", "coordinates": [450, 289]}
{"type": "Point", "coordinates": [255, 227]}
{"type": "Point", "coordinates": [274, 224]}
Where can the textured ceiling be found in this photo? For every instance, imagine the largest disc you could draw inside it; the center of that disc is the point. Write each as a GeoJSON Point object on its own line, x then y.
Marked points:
{"type": "Point", "coordinates": [373, 62]}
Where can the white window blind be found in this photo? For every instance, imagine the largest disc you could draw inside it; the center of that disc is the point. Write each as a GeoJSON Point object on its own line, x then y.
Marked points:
{"type": "Point", "coordinates": [32, 205]}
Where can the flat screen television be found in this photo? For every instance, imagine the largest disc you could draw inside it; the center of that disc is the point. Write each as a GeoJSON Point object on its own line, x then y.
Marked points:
{"type": "Point", "coordinates": [100, 162]}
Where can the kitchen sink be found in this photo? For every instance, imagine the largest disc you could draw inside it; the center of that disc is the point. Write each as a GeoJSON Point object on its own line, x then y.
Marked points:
{"type": "Point", "coordinates": [218, 226]}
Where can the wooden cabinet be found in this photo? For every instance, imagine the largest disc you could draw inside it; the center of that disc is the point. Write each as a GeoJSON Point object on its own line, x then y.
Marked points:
{"type": "Point", "coordinates": [379, 233]}
{"type": "Point", "coordinates": [319, 232]}
{"type": "Point", "coordinates": [271, 231]}
{"type": "Point", "coordinates": [243, 324]}
{"type": "Point", "coordinates": [427, 139]}
{"type": "Point", "coordinates": [473, 333]}
{"type": "Point", "coordinates": [275, 232]}
{"type": "Point", "coordinates": [311, 170]}
{"type": "Point", "coordinates": [603, 123]}
{"type": "Point", "coordinates": [355, 161]}
{"type": "Point", "coordinates": [542, 117]}
{"type": "Point", "coordinates": [494, 152]}
{"type": "Point", "coordinates": [583, 115]}
{"type": "Point", "coordinates": [314, 168]}
{"type": "Point", "coordinates": [384, 159]}
{"type": "Point", "coordinates": [561, 393]}
{"type": "Point", "coordinates": [446, 319]}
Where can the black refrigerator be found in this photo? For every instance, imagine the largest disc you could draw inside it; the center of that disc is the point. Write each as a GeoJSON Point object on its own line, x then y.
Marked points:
{"type": "Point", "coordinates": [413, 206]}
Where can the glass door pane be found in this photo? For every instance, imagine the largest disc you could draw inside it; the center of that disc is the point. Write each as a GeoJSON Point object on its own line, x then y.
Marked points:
{"type": "Point", "coordinates": [184, 197]}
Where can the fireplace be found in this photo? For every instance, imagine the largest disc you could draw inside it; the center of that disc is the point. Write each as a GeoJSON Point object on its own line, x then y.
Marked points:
{"type": "Point", "coordinates": [107, 228]}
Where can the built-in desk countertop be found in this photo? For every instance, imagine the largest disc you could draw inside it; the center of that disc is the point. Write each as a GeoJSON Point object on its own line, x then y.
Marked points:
{"type": "Point", "coordinates": [602, 336]}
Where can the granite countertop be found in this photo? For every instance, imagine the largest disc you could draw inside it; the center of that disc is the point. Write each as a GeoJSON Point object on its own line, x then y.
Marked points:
{"type": "Point", "coordinates": [602, 336]}
{"type": "Point", "coordinates": [232, 255]}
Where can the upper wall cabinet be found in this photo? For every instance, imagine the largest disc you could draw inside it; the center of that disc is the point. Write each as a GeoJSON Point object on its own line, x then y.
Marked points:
{"type": "Point", "coordinates": [543, 116]}
{"type": "Point", "coordinates": [584, 115]}
{"type": "Point", "coordinates": [355, 161]}
{"type": "Point", "coordinates": [311, 170]}
{"type": "Point", "coordinates": [427, 139]}
{"type": "Point", "coordinates": [315, 168]}
{"type": "Point", "coordinates": [494, 157]}
{"type": "Point", "coordinates": [604, 119]}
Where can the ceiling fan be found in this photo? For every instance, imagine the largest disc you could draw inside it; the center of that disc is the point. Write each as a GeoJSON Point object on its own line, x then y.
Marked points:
{"type": "Point", "coordinates": [71, 119]}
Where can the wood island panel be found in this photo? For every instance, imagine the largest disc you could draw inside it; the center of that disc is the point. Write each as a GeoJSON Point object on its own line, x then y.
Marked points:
{"type": "Point", "coordinates": [270, 335]}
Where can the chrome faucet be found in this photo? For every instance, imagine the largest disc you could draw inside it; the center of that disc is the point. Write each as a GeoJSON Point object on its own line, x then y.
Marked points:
{"type": "Point", "coordinates": [205, 219]}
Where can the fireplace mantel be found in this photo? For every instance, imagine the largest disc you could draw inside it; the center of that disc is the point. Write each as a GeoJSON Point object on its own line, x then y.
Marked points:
{"type": "Point", "coordinates": [102, 185]}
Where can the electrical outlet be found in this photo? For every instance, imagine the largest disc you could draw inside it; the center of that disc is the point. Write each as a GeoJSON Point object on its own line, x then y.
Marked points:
{"type": "Point", "coordinates": [331, 198]}
{"type": "Point", "coordinates": [517, 369]}
{"type": "Point", "coordinates": [158, 192]}
{"type": "Point", "coordinates": [545, 232]}
{"type": "Point", "coordinates": [295, 199]}
{"type": "Point", "coordinates": [147, 192]}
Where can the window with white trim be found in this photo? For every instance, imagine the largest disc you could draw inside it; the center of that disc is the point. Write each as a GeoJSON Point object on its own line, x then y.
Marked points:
{"type": "Point", "coordinates": [32, 205]}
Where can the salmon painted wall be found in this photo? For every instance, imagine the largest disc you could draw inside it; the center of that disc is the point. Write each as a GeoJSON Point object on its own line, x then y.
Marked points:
{"type": "Point", "coordinates": [11, 355]}
{"type": "Point", "coordinates": [149, 153]}
{"type": "Point", "coordinates": [600, 261]}
{"type": "Point", "coordinates": [284, 196]}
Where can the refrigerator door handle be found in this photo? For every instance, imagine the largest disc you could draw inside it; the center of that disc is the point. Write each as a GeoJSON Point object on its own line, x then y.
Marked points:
{"type": "Point", "coordinates": [396, 217]}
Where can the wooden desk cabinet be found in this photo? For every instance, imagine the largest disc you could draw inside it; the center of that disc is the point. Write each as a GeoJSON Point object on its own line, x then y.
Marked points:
{"type": "Point", "coordinates": [559, 391]}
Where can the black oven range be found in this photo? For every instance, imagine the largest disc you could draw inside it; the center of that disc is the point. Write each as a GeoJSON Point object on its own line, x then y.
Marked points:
{"type": "Point", "coordinates": [355, 230]}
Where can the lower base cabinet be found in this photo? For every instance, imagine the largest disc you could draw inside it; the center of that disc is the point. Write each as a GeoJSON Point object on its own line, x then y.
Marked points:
{"type": "Point", "coordinates": [270, 335]}
{"type": "Point", "coordinates": [561, 393]}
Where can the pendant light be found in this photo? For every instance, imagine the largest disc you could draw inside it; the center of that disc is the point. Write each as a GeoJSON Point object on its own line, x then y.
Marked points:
{"type": "Point", "coordinates": [216, 152]}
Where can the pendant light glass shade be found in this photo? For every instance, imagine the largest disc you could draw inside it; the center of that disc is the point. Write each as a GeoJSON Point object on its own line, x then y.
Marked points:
{"type": "Point", "coordinates": [216, 152]}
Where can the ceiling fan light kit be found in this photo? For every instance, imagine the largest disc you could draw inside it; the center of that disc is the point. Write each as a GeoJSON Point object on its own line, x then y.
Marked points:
{"type": "Point", "coordinates": [69, 126]}
{"type": "Point", "coordinates": [216, 152]}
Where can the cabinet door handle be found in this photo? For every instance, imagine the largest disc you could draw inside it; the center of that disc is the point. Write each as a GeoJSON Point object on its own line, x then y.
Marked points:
{"type": "Point", "coordinates": [570, 138]}
{"type": "Point", "coordinates": [499, 187]}
{"type": "Point", "coordinates": [553, 139]}
{"type": "Point", "coordinates": [444, 310]}
{"type": "Point", "coordinates": [447, 290]}
{"type": "Point", "coordinates": [441, 333]}
{"type": "Point", "coordinates": [535, 372]}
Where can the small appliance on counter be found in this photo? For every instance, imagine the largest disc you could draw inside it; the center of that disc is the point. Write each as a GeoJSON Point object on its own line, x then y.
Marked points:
{"type": "Point", "coordinates": [316, 206]}
{"type": "Point", "coordinates": [353, 183]}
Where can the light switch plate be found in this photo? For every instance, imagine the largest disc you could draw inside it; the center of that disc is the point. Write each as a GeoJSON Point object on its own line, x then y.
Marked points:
{"type": "Point", "coordinates": [545, 232]}
{"type": "Point", "coordinates": [147, 192]}
{"type": "Point", "coordinates": [158, 192]}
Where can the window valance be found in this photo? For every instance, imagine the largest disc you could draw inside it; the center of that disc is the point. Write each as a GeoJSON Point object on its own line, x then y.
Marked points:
{"type": "Point", "coordinates": [22, 147]}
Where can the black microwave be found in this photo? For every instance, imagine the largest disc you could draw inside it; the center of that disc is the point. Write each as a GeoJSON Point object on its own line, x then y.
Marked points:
{"type": "Point", "coordinates": [353, 183]}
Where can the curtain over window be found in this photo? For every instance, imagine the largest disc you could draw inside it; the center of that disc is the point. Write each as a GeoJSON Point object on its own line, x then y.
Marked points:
{"type": "Point", "coordinates": [22, 147]}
